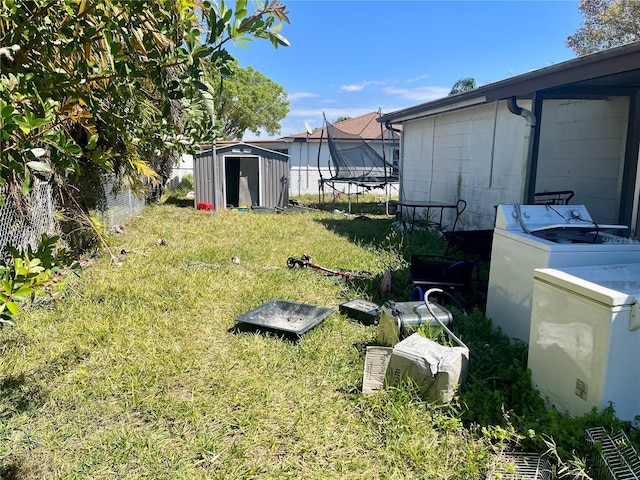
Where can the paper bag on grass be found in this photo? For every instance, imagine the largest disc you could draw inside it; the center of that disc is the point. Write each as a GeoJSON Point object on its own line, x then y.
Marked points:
{"type": "Point", "coordinates": [435, 369]}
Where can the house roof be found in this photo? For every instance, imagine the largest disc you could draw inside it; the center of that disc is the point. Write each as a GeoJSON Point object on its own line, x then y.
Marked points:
{"type": "Point", "coordinates": [366, 126]}
{"type": "Point", "coordinates": [598, 73]}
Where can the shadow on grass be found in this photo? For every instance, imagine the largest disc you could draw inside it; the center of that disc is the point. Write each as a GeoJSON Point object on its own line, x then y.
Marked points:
{"type": "Point", "coordinates": [361, 229]}
{"type": "Point", "coordinates": [247, 328]}
{"type": "Point", "coordinates": [18, 394]}
{"type": "Point", "coordinates": [179, 202]}
{"type": "Point", "coordinates": [10, 471]}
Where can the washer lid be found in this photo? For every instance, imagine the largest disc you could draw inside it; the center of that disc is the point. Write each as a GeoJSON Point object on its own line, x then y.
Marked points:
{"type": "Point", "coordinates": [610, 285]}
{"type": "Point", "coordinates": [539, 217]}
{"type": "Point", "coordinates": [577, 228]}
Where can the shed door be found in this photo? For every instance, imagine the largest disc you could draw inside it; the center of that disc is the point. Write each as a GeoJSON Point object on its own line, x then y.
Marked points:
{"type": "Point", "coordinates": [242, 181]}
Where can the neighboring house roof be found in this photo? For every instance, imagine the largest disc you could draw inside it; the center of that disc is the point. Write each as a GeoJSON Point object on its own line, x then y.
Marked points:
{"type": "Point", "coordinates": [366, 126]}
{"type": "Point", "coordinates": [617, 68]}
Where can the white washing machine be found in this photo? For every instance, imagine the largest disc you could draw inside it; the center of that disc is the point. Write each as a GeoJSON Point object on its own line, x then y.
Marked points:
{"type": "Point", "coordinates": [584, 347]}
{"type": "Point", "coordinates": [526, 237]}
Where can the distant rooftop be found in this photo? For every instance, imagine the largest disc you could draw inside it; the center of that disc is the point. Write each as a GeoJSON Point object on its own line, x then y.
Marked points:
{"type": "Point", "coordinates": [365, 126]}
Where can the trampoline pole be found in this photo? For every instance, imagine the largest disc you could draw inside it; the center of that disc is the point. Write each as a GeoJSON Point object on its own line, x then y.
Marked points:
{"type": "Point", "coordinates": [386, 199]}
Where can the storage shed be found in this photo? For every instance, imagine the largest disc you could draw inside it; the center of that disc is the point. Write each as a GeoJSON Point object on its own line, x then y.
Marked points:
{"type": "Point", "coordinates": [571, 126]}
{"type": "Point", "coordinates": [243, 175]}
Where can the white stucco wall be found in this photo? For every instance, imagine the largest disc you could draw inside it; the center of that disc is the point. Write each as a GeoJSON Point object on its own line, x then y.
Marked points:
{"type": "Point", "coordinates": [303, 181]}
{"type": "Point", "coordinates": [182, 168]}
{"type": "Point", "coordinates": [582, 148]}
{"type": "Point", "coordinates": [476, 154]}
{"type": "Point", "coordinates": [303, 156]}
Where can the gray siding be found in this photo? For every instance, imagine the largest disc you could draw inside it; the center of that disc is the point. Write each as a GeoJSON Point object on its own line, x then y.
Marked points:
{"type": "Point", "coordinates": [275, 183]}
{"type": "Point", "coordinates": [273, 174]}
{"type": "Point", "coordinates": [203, 177]}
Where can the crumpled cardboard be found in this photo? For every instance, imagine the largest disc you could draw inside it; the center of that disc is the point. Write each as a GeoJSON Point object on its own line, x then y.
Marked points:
{"type": "Point", "coordinates": [435, 369]}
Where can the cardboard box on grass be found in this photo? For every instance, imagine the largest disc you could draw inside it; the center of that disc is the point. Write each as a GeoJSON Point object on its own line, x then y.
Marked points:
{"type": "Point", "coordinates": [376, 361]}
{"type": "Point", "coordinates": [435, 369]}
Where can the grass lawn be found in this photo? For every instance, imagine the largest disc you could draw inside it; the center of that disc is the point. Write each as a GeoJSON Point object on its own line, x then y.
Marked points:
{"type": "Point", "coordinates": [140, 372]}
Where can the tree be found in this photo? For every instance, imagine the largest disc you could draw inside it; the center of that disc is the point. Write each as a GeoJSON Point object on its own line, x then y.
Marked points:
{"type": "Point", "coordinates": [247, 100]}
{"type": "Point", "coordinates": [99, 85]}
{"type": "Point", "coordinates": [606, 24]}
{"type": "Point", "coordinates": [463, 85]}
{"type": "Point", "coordinates": [94, 86]}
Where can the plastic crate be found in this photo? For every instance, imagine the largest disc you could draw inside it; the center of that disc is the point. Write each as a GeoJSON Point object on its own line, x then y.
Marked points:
{"type": "Point", "coordinates": [448, 273]}
{"type": "Point", "coordinates": [520, 466]}
{"type": "Point", "coordinates": [614, 457]}
{"type": "Point", "coordinates": [471, 242]}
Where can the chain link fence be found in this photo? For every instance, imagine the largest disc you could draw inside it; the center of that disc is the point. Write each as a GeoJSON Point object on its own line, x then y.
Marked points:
{"type": "Point", "coordinates": [115, 205]}
{"type": "Point", "coordinates": [23, 221]}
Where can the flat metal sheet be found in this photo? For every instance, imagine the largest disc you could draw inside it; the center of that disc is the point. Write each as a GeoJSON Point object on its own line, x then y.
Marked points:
{"type": "Point", "coordinates": [290, 317]}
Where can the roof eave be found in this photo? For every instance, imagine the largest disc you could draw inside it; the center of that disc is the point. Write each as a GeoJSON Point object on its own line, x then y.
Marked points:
{"type": "Point", "coordinates": [608, 62]}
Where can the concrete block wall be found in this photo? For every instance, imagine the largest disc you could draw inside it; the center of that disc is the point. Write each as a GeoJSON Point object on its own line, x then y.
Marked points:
{"type": "Point", "coordinates": [476, 154]}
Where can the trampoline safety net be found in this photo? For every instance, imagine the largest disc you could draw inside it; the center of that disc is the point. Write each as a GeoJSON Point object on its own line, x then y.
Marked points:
{"type": "Point", "coordinates": [353, 160]}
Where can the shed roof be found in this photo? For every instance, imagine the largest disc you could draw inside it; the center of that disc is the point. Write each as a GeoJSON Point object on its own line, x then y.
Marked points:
{"type": "Point", "coordinates": [247, 148]}
{"type": "Point", "coordinates": [617, 68]}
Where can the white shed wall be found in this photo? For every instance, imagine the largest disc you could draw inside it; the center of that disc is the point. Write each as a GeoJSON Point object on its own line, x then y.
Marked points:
{"type": "Point", "coordinates": [476, 154]}
{"type": "Point", "coordinates": [582, 148]}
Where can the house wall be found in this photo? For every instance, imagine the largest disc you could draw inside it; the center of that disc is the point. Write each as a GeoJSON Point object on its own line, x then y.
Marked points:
{"type": "Point", "coordinates": [303, 181]}
{"type": "Point", "coordinates": [303, 154]}
{"type": "Point", "coordinates": [476, 154]}
{"type": "Point", "coordinates": [582, 148]}
{"type": "Point", "coordinates": [183, 167]}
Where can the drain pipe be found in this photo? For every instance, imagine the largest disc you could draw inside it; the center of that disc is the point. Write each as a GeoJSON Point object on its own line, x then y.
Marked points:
{"type": "Point", "coordinates": [392, 129]}
{"type": "Point", "coordinates": [528, 115]}
{"type": "Point", "coordinates": [388, 125]}
{"type": "Point", "coordinates": [530, 122]}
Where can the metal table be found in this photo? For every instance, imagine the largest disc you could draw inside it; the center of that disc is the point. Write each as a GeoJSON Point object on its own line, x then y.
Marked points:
{"type": "Point", "coordinates": [413, 205]}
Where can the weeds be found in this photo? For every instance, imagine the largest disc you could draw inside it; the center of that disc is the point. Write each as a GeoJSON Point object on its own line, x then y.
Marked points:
{"type": "Point", "coordinates": [142, 373]}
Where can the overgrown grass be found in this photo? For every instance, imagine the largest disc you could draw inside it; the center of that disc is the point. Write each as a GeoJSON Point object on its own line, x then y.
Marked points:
{"type": "Point", "coordinates": [142, 372]}
{"type": "Point", "coordinates": [357, 204]}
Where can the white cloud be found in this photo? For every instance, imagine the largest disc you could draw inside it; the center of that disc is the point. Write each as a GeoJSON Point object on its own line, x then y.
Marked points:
{"type": "Point", "coordinates": [356, 87]}
{"type": "Point", "coordinates": [313, 106]}
{"type": "Point", "coordinates": [301, 95]}
{"type": "Point", "coordinates": [417, 79]}
{"type": "Point", "coordinates": [420, 94]}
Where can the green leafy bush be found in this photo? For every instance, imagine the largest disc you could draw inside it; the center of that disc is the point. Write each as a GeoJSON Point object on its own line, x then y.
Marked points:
{"type": "Point", "coordinates": [30, 274]}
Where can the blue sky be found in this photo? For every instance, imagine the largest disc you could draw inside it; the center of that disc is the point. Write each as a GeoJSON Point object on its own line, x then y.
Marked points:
{"type": "Point", "coordinates": [348, 58]}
